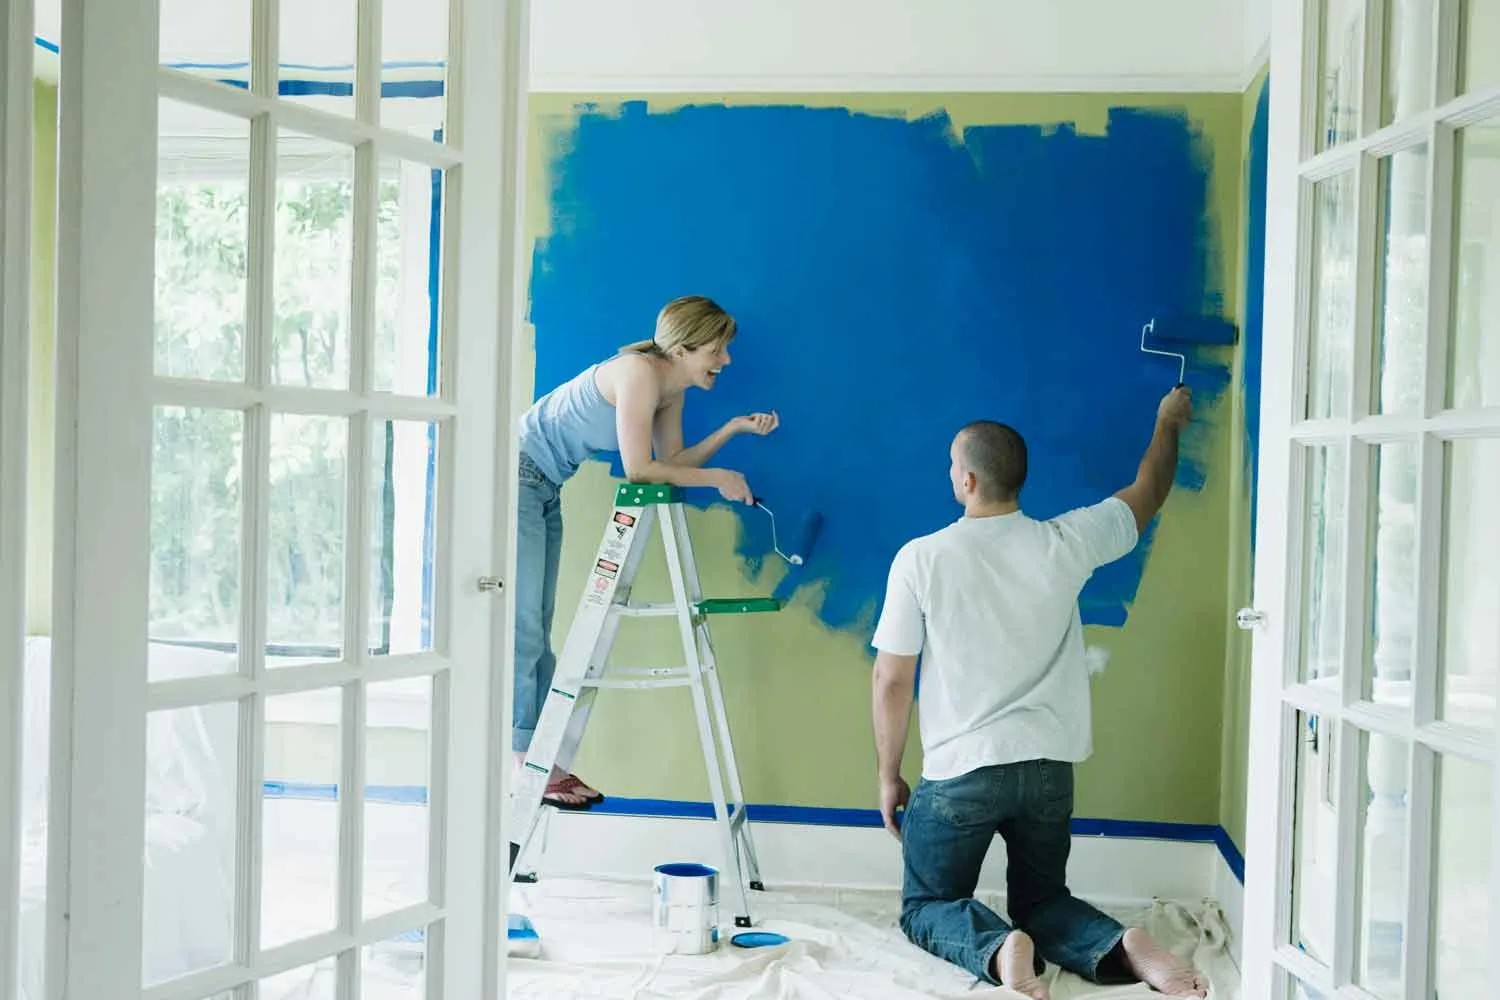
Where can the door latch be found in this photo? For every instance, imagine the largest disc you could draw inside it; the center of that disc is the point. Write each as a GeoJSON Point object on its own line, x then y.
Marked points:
{"type": "Point", "coordinates": [1248, 618]}
{"type": "Point", "coordinates": [491, 584]}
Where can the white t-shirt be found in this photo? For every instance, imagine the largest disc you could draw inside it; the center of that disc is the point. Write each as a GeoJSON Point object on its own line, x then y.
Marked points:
{"type": "Point", "coordinates": [991, 603]}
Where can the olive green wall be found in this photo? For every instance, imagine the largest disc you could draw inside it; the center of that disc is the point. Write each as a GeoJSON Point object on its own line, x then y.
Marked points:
{"type": "Point", "coordinates": [799, 693]}
{"type": "Point", "coordinates": [40, 393]}
{"type": "Point", "coordinates": [1235, 748]}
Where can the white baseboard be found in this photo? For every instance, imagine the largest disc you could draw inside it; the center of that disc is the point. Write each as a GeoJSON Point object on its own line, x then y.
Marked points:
{"type": "Point", "coordinates": [1106, 869]}
{"type": "Point", "coordinates": [1230, 893]}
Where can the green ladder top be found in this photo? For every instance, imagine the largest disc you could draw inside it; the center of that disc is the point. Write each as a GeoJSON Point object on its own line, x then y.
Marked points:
{"type": "Point", "coordinates": [737, 605]}
{"type": "Point", "coordinates": [646, 494]}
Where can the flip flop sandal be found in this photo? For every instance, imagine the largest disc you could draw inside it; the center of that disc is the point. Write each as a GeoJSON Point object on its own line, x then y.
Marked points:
{"type": "Point", "coordinates": [565, 786]}
{"type": "Point", "coordinates": [575, 784]}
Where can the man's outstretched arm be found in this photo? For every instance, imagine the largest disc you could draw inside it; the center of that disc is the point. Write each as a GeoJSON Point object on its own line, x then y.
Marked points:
{"type": "Point", "coordinates": [1153, 479]}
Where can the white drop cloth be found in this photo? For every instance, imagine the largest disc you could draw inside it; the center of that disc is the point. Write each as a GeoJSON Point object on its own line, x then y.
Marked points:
{"type": "Point", "coordinates": [597, 942]}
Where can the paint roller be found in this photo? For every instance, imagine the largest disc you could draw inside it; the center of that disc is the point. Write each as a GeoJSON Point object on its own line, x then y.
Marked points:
{"type": "Point", "coordinates": [1198, 330]}
{"type": "Point", "coordinates": [806, 533]}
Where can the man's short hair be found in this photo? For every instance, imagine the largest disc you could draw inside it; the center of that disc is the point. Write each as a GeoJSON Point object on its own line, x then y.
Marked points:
{"type": "Point", "coordinates": [996, 454]}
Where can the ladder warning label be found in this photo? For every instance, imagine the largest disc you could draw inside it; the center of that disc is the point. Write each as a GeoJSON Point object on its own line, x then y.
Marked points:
{"type": "Point", "coordinates": [623, 518]}
{"type": "Point", "coordinates": [606, 568]}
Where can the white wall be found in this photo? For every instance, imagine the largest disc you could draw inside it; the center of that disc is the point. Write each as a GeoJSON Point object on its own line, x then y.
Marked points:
{"type": "Point", "coordinates": [1256, 37]}
{"type": "Point", "coordinates": [687, 45]}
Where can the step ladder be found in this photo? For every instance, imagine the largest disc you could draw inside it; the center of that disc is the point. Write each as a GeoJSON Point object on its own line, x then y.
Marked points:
{"type": "Point", "coordinates": [581, 673]}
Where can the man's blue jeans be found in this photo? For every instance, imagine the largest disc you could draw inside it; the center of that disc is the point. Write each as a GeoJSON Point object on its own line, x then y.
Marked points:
{"type": "Point", "coordinates": [946, 831]}
{"type": "Point", "coordinates": [538, 548]}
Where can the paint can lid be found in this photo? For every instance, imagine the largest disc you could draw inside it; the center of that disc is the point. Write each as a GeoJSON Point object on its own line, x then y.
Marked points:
{"type": "Point", "coordinates": [758, 939]}
{"type": "Point", "coordinates": [685, 869]}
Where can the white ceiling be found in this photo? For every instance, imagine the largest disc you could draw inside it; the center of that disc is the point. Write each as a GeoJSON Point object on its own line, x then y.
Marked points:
{"type": "Point", "coordinates": [771, 45]}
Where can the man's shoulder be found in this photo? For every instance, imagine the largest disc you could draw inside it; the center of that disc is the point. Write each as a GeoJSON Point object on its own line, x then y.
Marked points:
{"type": "Point", "coordinates": [1109, 509]}
{"type": "Point", "coordinates": [933, 541]}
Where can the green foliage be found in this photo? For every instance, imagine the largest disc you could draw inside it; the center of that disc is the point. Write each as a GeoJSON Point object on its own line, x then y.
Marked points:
{"type": "Point", "coordinates": [198, 478]}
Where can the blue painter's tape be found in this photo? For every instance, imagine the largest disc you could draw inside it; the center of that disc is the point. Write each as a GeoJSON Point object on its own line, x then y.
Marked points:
{"type": "Point", "coordinates": [1230, 853]}
{"type": "Point", "coordinates": [893, 280]}
{"type": "Point", "coordinates": [1123, 829]}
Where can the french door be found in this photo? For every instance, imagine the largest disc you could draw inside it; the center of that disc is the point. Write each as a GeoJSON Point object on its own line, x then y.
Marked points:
{"type": "Point", "coordinates": [15, 331]}
{"type": "Point", "coordinates": [283, 343]}
{"type": "Point", "coordinates": [1373, 861]}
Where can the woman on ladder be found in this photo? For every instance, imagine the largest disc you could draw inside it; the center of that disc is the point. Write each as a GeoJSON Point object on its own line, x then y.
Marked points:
{"type": "Point", "coordinates": [626, 404]}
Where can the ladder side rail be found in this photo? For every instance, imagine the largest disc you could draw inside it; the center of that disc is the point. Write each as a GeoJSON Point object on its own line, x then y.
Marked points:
{"type": "Point", "coordinates": [624, 546]}
{"type": "Point", "coordinates": [592, 624]}
{"type": "Point", "coordinates": [675, 542]}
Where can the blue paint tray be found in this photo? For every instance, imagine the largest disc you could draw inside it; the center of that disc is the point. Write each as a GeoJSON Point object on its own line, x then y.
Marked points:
{"type": "Point", "coordinates": [758, 939]}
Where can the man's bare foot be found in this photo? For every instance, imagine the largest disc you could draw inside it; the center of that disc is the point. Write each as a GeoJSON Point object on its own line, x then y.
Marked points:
{"type": "Point", "coordinates": [1159, 968]}
{"type": "Point", "coordinates": [1015, 967]}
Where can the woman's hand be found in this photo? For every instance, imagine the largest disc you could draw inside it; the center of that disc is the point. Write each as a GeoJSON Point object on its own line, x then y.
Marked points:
{"type": "Point", "coordinates": [755, 423]}
{"type": "Point", "coordinates": [732, 486]}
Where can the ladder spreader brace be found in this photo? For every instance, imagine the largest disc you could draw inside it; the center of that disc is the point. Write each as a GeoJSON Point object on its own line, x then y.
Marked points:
{"type": "Point", "coordinates": [580, 673]}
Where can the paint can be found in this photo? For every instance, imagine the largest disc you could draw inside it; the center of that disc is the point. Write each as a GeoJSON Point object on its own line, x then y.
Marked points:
{"type": "Point", "coordinates": [685, 909]}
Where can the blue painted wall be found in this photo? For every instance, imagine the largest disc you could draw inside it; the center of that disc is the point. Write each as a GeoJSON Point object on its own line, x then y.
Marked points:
{"type": "Point", "coordinates": [893, 281]}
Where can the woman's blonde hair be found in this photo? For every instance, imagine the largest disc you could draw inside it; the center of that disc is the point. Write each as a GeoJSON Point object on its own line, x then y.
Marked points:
{"type": "Point", "coordinates": [689, 322]}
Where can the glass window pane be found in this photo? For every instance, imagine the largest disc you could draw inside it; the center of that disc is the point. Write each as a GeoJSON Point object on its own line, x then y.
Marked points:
{"type": "Point", "coordinates": [319, 981]}
{"type": "Point", "coordinates": [192, 822]}
{"type": "Point", "coordinates": [414, 66]}
{"type": "Point", "coordinates": [1463, 960]}
{"type": "Point", "coordinates": [314, 262]}
{"type": "Point", "coordinates": [408, 255]}
{"type": "Point", "coordinates": [1298, 990]}
{"type": "Point", "coordinates": [1331, 352]}
{"type": "Point", "coordinates": [396, 969]}
{"type": "Point", "coordinates": [1399, 361]}
{"type": "Point", "coordinates": [1410, 45]}
{"type": "Point", "coordinates": [1323, 565]}
{"type": "Point", "coordinates": [317, 46]}
{"type": "Point", "coordinates": [197, 520]}
{"type": "Point", "coordinates": [1474, 353]}
{"type": "Point", "coordinates": [1383, 820]}
{"type": "Point", "coordinates": [1315, 837]}
{"type": "Point", "coordinates": [305, 577]}
{"type": "Point", "coordinates": [1469, 635]}
{"type": "Point", "coordinates": [1343, 32]}
{"type": "Point", "coordinates": [1391, 651]}
{"type": "Point", "coordinates": [202, 242]}
{"type": "Point", "coordinates": [398, 730]}
{"type": "Point", "coordinates": [1481, 44]}
{"type": "Point", "coordinates": [300, 815]}
{"type": "Point", "coordinates": [403, 537]}
{"type": "Point", "coordinates": [207, 38]}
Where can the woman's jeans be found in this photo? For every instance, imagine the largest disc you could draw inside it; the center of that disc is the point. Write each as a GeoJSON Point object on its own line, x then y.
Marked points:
{"type": "Point", "coordinates": [538, 547]}
{"type": "Point", "coordinates": [946, 831]}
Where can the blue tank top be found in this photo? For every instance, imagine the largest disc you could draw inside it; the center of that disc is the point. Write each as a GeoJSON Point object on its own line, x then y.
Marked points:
{"type": "Point", "coordinates": [571, 423]}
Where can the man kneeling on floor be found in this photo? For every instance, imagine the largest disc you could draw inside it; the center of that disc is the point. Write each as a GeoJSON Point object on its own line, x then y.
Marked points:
{"type": "Point", "coordinates": [991, 603]}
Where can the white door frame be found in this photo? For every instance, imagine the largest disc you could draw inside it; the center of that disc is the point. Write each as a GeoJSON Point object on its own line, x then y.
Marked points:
{"type": "Point", "coordinates": [16, 127]}
{"type": "Point", "coordinates": [107, 194]}
{"type": "Point", "coordinates": [1295, 79]}
{"type": "Point", "coordinates": [512, 388]}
